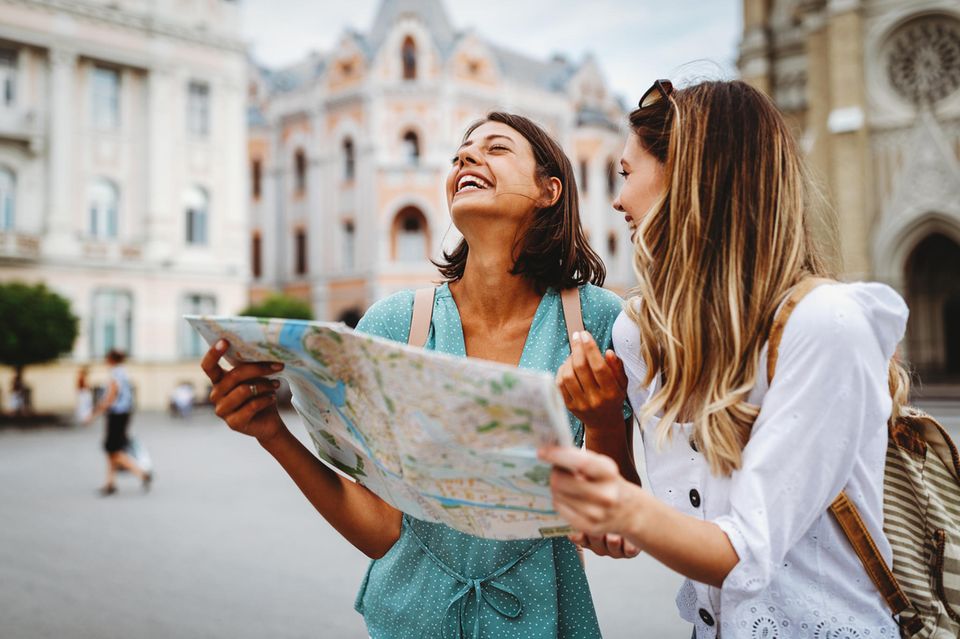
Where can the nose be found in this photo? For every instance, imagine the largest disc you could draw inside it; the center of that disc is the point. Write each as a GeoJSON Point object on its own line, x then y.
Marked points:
{"type": "Point", "coordinates": [468, 156]}
{"type": "Point", "coordinates": [617, 206]}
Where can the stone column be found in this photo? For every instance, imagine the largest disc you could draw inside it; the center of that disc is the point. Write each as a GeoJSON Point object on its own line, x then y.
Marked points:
{"type": "Point", "coordinates": [60, 224]}
{"type": "Point", "coordinates": [754, 60]}
{"type": "Point", "coordinates": [163, 196]}
{"type": "Point", "coordinates": [850, 171]}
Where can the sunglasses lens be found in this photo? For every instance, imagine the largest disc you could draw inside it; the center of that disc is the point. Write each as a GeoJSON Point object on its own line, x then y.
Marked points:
{"type": "Point", "coordinates": [651, 98]}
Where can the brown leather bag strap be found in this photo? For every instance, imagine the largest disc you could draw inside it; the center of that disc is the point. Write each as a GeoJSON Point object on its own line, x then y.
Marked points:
{"type": "Point", "coordinates": [422, 316]}
{"type": "Point", "coordinates": [572, 314]}
{"type": "Point", "coordinates": [856, 532]}
{"type": "Point", "coordinates": [842, 508]}
{"type": "Point", "coordinates": [796, 294]}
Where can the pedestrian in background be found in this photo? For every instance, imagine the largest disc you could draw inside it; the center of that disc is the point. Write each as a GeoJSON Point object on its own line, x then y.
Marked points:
{"type": "Point", "coordinates": [117, 404]}
{"type": "Point", "coordinates": [84, 406]}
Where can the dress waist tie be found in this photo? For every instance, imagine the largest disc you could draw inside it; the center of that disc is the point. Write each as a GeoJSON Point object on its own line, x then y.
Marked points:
{"type": "Point", "coordinates": [479, 587]}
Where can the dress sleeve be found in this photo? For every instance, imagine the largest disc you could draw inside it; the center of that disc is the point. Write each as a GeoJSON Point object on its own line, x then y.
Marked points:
{"type": "Point", "coordinates": [828, 397]}
{"type": "Point", "coordinates": [390, 317]}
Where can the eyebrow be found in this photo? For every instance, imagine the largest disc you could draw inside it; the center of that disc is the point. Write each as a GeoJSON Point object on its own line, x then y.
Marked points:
{"type": "Point", "coordinates": [487, 139]}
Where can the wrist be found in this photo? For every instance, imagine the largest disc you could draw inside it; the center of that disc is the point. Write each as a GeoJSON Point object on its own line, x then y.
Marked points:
{"type": "Point", "coordinates": [632, 522]}
{"type": "Point", "coordinates": [275, 438]}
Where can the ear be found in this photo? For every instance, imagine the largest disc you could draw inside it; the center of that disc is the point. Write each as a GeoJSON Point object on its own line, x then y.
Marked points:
{"type": "Point", "coordinates": [552, 190]}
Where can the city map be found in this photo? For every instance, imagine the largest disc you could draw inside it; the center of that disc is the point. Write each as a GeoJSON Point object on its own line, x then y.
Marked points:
{"type": "Point", "coordinates": [444, 439]}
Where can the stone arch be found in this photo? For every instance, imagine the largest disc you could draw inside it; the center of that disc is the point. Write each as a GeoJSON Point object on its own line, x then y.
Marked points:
{"type": "Point", "coordinates": [409, 235]}
{"type": "Point", "coordinates": [932, 290]}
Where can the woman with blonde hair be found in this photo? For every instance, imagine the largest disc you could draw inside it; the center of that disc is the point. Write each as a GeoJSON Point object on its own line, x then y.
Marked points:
{"type": "Point", "coordinates": [743, 460]}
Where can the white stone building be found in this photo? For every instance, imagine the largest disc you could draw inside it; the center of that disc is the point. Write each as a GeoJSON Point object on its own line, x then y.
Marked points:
{"type": "Point", "coordinates": [349, 149]}
{"type": "Point", "coordinates": [122, 177]}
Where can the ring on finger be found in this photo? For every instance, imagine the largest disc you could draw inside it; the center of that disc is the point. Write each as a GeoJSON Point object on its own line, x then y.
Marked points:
{"type": "Point", "coordinates": [253, 390]}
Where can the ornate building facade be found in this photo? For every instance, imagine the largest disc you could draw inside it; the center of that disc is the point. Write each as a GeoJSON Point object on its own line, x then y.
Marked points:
{"type": "Point", "coordinates": [122, 139]}
{"type": "Point", "coordinates": [872, 88]}
{"type": "Point", "coordinates": [349, 149]}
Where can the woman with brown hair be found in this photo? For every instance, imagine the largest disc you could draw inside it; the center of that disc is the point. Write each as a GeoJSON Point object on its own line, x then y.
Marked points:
{"type": "Point", "coordinates": [743, 463]}
{"type": "Point", "coordinates": [512, 194]}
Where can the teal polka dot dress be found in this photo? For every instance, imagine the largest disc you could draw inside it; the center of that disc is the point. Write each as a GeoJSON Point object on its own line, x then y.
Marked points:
{"type": "Point", "coordinates": [438, 582]}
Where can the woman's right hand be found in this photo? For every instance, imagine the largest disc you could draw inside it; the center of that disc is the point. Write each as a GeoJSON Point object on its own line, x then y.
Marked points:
{"type": "Point", "coordinates": [243, 397]}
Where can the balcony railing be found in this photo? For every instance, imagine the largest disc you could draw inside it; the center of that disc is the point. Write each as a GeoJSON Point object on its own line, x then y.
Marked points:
{"type": "Point", "coordinates": [23, 125]}
{"type": "Point", "coordinates": [15, 245]}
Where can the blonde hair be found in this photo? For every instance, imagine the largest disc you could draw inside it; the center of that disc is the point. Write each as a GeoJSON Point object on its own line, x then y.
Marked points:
{"type": "Point", "coordinates": [715, 256]}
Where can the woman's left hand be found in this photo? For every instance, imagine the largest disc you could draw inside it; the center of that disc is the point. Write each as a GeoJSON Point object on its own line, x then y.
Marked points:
{"type": "Point", "coordinates": [588, 490]}
{"type": "Point", "coordinates": [593, 384]}
{"type": "Point", "coordinates": [607, 545]}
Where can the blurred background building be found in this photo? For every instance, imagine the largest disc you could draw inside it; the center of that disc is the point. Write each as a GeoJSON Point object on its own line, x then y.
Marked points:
{"type": "Point", "coordinates": [873, 91]}
{"type": "Point", "coordinates": [122, 172]}
{"type": "Point", "coordinates": [349, 150]}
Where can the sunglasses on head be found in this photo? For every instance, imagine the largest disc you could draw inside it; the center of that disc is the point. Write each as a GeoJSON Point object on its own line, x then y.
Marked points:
{"type": "Point", "coordinates": [660, 90]}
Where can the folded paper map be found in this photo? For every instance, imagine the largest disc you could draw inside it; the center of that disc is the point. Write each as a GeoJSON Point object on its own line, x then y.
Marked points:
{"type": "Point", "coordinates": [442, 438]}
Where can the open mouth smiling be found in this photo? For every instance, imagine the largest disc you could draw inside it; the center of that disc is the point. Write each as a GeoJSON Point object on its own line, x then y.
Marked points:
{"type": "Point", "coordinates": [471, 182]}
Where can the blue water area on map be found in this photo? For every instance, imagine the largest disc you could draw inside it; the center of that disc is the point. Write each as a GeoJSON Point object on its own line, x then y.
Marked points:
{"type": "Point", "coordinates": [291, 336]}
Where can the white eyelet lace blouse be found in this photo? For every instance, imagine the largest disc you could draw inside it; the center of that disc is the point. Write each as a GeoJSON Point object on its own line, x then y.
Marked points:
{"type": "Point", "coordinates": [821, 429]}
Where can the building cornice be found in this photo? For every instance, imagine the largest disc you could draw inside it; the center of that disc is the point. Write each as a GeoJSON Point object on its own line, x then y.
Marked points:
{"type": "Point", "coordinates": [149, 25]}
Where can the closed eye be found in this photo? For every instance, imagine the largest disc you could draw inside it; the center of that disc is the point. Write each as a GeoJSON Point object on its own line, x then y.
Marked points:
{"type": "Point", "coordinates": [499, 147]}
{"type": "Point", "coordinates": [623, 174]}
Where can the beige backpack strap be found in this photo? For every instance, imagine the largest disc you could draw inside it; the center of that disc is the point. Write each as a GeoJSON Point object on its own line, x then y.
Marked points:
{"type": "Point", "coordinates": [856, 532]}
{"type": "Point", "coordinates": [422, 315]}
{"type": "Point", "coordinates": [842, 508]}
{"type": "Point", "coordinates": [572, 314]}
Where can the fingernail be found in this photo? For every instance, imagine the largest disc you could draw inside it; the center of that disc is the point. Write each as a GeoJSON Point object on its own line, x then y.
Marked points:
{"type": "Point", "coordinates": [277, 366]}
{"type": "Point", "coordinates": [221, 345]}
{"type": "Point", "coordinates": [576, 336]}
{"type": "Point", "coordinates": [585, 336]}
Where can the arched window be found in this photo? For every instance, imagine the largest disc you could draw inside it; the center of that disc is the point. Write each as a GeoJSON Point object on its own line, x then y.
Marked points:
{"type": "Point", "coordinates": [300, 251]}
{"type": "Point", "coordinates": [256, 174]}
{"type": "Point", "coordinates": [256, 255]}
{"type": "Point", "coordinates": [410, 238]}
{"type": "Point", "coordinates": [111, 322]}
{"type": "Point", "coordinates": [350, 317]}
{"type": "Point", "coordinates": [8, 198]}
{"type": "Point", "coordinates": [933, 295]}
{"type": "Point", "coordinates": [103, 201]}
{"type": "Point", "coordinates": [349, 242]}
{"type": "Point", "coordinates": [612, 243]}
{"type": "Point", "coordinates": [411, 148]}
{"type": "Point", "coordinates": [196, 205]}
{"type": "Point", "coordinates": [611, 178]}
{"type": "Point", "coordinates": [300, 171]}
{"type": "Point", "coordinates": [409, 55]}
{"type": "Point", "coordinates": [349, 160]}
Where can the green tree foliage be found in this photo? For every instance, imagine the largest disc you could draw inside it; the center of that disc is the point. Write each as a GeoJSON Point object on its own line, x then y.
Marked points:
{"type": "Point", "coordinates": [36, 325]}
{"type": "Point", "coordinates": [279, 305]}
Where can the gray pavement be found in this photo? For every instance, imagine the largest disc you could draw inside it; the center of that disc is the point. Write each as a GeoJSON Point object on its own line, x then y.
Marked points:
{"type": "Point", "coordinates": [223, 546]}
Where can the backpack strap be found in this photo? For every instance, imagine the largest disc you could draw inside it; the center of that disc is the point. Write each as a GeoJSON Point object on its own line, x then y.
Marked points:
{"type": "Point", "coordinates": [422, 316]}
{"type": "Point", "coordinates": [572, 314]}
{"type": "Point", "coordinates": [843, 510]}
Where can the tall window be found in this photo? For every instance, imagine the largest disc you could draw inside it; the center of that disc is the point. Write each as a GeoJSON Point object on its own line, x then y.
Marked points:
{"type": "Point", "coordinates": [8, 199]}
{"type": "Point", "coordinates": [111, 324]}
{"type": "Point", "coordinates": [583, 176]}
{"type": "Point", "coordinates": [191, 344]}
{"type": "Point", "coordinates": [256, 255]}
{"type": "Point", "coordinates": [349, 160]}
{"type": "Point", "coordinates": [196, 205]}
{"type": "Point", "coordinates": [410, 235]}
{"type": "Point", "coordinates": [198, 109]}
{"type": "Point", "coordinates": [255, 177]}
{"type": "Point", "coordinates": [300, 171]}
{"type": "Point", "coordinates": [612, 243]}
{"type": "Point", "coordinates": [103, 205]}
{"type": "Point", "coordinates": [349, 246]}
{"type": "Point", "coordinates": [411, 148]}
{"type": "Point", "coordinates": [300, 251]}
{"type": "Point", "coordinates": [409, 55]}
{"type": "Point", "coordinates": [106, 98]}
{"type": "Point", "coordinates": [8, 77]}
{"type": "Point", "coordinates": [611, 178]}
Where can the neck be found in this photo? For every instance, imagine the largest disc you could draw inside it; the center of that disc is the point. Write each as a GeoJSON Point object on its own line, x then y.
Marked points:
{"type": "Point", "coordinates": [489, 291]}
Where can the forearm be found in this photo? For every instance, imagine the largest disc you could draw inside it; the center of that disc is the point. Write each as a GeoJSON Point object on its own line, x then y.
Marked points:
{"type": "Point", "coordinates": [695, 548]}
{"type": "Point", "coordinates": [614, 439]}
{"type": "Point", "coordinates": [365, 520]}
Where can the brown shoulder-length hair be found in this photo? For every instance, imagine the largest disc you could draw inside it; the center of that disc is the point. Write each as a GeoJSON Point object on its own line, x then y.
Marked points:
{"type": "Point", "coordinates": [551, 251]}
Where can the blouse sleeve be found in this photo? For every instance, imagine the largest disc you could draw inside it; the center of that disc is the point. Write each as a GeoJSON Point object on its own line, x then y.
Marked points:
{"type": "Point", "coordinates": [828, 396]}
{"type": "Point", "coordinates": [390, 317]}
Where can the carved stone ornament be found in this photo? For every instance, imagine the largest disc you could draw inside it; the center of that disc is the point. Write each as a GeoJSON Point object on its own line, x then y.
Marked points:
{"type": "Point", "coordinates": [923, 59]}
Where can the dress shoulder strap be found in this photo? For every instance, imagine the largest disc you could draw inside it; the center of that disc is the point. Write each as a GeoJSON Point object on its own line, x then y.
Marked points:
{"type": "Point", "coordinates": [572, 313]}
{"type": "Point", "coordinates": [422, 315]}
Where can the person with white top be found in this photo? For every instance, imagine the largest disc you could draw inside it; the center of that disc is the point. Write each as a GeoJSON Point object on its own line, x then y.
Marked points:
{"type": "Point", "coordinates": [742, 469]}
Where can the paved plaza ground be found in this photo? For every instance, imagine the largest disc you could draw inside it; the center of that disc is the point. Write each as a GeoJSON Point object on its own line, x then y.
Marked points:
{"type": "Point", "coordinates": [223, 546]}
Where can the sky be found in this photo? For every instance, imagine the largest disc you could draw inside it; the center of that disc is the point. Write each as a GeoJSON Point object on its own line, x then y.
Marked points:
{"type": "Point", "coordinates": [634, 41]}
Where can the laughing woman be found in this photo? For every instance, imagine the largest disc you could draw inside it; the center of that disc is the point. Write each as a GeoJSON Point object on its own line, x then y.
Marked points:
{"type": "Point", "coordinates": [743, 460]}
{"type": "Point", "coordinates": [512, 194]}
